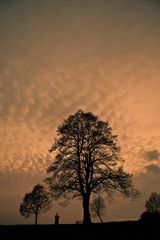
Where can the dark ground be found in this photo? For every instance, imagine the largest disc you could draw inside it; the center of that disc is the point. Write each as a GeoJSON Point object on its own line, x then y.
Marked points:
{"type": "Point", "coordinates": [116, 230]}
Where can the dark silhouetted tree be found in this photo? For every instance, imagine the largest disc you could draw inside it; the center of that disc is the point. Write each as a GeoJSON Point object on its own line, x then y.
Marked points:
{"type": "Point", "coordinates": [36, 202]}
{"type": "Point", "coordinates": [153, 203]}
{"type": "Point", "coordinates": [97, 207]}
{"type": "Point", "coordinates": [87, 160]}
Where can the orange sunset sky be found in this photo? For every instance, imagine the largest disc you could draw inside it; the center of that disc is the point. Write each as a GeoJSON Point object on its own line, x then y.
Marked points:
{"type": "Point", "coordinates": [57, 56]}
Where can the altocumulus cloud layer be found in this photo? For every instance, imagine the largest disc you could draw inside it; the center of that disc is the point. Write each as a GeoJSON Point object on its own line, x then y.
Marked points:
{"type": "Point", "coordinates": [59, 56]}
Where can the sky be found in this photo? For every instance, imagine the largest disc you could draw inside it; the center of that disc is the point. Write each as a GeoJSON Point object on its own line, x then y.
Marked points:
{"type": "Point", "coordinates": [58, 56]}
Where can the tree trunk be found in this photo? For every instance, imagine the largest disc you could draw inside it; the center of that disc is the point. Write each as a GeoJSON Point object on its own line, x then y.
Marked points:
{"type": "Point", "coordinates": [100, 218]}
{"type": "Point", "coordinates": [86, 212]}
{"type": "Point", "coordinates": [36, 218]}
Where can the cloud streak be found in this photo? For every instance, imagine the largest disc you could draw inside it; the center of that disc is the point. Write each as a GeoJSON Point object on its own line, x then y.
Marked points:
{"type": "Point", "coordinates": [152, 155]}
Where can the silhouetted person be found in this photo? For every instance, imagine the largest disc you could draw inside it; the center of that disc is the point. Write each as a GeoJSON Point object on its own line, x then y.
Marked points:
{"type": "Point", "coordinates": [56, 219]}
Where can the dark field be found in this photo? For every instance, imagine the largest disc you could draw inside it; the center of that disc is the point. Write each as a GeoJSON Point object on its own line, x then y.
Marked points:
{"type": "Point", "coordinates": [116, 230]}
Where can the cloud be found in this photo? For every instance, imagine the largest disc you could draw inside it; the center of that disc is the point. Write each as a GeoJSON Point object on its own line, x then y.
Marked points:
{"type": "Point", "coordinates": [153, 168]}
{"type": "Point", "coordinates": [149, 180]}
{"type": "Point", "coordinates": [152, 155]}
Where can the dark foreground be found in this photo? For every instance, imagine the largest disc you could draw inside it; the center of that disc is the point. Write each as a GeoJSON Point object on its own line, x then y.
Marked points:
{"type": "Point", "coordinates": [116, 230]}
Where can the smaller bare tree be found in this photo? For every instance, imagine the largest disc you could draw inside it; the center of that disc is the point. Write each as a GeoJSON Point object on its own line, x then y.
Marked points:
{"type": "Point", "coordinates": [98, 207]}
{"type": "Point", "coordinates": [36, 202]}
{"type": "Point", "coordinates": [153, 203]}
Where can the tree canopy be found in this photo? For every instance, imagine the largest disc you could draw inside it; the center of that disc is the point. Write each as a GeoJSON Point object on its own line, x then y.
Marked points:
{"type": "Point", "coordinates": [87, 160]}
{"type": "Point", "coordinates": [153, 203]}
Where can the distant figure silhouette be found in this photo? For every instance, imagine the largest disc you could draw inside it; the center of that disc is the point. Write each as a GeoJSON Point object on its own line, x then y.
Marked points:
{"type": "Point", "coordinates": [56, 219]}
